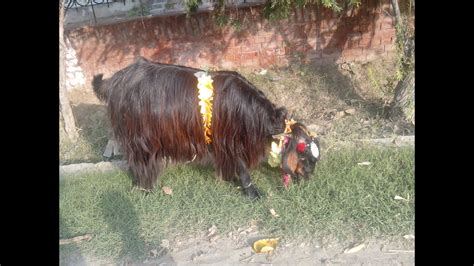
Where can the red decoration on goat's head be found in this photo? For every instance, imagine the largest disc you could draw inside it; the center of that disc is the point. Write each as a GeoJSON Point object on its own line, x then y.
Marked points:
{"type": "Point", "coordinates": [301, 147]}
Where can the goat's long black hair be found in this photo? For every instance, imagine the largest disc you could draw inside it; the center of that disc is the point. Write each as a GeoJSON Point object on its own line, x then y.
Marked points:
{"type": "Point", "coordinates": [154, 114]}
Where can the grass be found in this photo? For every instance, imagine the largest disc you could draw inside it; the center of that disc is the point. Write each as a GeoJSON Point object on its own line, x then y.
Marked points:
{"type": "Point", "coordinates": [343, 201]}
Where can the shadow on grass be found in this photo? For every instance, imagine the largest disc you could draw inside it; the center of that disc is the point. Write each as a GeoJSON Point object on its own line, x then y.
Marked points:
{"type": "Point", "coordinates": [121, 217]}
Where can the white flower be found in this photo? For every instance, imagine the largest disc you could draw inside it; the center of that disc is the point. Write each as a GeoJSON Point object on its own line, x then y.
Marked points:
{"type": "Point", "coordinates": [275, 148]}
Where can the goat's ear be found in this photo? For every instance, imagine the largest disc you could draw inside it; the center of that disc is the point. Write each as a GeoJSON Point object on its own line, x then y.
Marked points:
{"type": "Point", "coordinates": [281, 113]}
{"type": "Point", "coordinates": [278, 120]}
{"type": "Point", "coordinates": [290, 162]}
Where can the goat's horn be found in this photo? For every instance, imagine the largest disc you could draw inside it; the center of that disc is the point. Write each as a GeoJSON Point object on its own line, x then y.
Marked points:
{"type": "Point", "coordinates": [279, 136]}
{"type": "Point", "coordinates": [313, 134]}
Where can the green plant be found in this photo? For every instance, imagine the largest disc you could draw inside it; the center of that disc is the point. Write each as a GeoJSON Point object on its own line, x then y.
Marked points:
{"type": "Point", "coordinates": [237, 24]}
{"type": "Point", "coordinates": [280, 9]}
{"type": "Point", "coordinates": [192, 5]}
{"type": "Point", "coordinates": [406, 59]}
{"type": "Point", "coordinates": [221, 20]}
{"type": "Point", "coordinates": [372, 78]}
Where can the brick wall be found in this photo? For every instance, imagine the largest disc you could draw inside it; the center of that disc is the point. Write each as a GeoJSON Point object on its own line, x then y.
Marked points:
{"type": "Point", "coordinates": [310, 35]}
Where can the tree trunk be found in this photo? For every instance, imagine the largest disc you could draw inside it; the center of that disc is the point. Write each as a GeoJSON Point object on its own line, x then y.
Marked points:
{"type": "Point", "coordinates": [396, 10]}
{"type": "Point", "coordinates": [69, 124]}
{"type": "Point", "coordinates": [400, 106]}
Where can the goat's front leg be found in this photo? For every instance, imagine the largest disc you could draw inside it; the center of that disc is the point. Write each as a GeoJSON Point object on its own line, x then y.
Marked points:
{"type": "Point", "coordinates": [250, 189]}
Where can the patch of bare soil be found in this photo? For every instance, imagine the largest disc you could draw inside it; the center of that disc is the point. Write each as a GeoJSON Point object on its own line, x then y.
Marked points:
{"type": "Point", "coordinates": [235, 249]}
{"type": "Point", "coordinates": [346, 101]}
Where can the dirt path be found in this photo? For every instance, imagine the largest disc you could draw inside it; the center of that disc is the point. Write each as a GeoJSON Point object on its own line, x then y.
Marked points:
{"type": "Point", "coordinates": [230, 250]}
{"type": "Point", "coordinates": [227, 252]}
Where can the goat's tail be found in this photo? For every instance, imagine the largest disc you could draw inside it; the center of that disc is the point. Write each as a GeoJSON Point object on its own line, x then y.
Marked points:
{"type": "Point", "coordinates": [99, 89]}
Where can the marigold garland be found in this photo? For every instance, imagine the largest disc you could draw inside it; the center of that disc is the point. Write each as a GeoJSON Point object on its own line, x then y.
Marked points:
{"type": "Point", "coordinates": [205, 96]}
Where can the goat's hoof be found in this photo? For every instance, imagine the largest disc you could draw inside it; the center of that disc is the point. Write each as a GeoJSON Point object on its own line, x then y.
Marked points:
{"type": "Point", "coordinates": [253, 193]}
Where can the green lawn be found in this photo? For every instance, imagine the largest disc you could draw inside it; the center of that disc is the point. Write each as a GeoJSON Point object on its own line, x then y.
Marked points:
{"type": "Point", "coordinates": [343, 201]}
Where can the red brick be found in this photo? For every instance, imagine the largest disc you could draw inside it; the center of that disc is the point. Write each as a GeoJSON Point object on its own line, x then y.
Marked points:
{"type": "Point", "coordinates": [386, 25]}
{"type": "Point", "coordinates": [387, 33]}
{"type": "Point", "coordinates": [376, 41]}
{"type": "Point", "coordinates": [352, 52]}
{"type": "Point", "coordinates": [351, 44]}
{"type": "Point", "coordinates": [349, 58]}
{"type": "Point", "coordinates": [260, 39]}
{"type": "Point", "coordinates": [251, 48]}
{"type": "Point", "coordinates": [388, 40]}
{"type": "Point", "coordinates": [230, 57]}
{"type": "Point", "coordinates": [233, 50]}
{"type": "Point", "coordinates": [250, 56]}
{"type": "Point", "coordinates": [268, 60]}
{"type": "Point", "coordinates": [230, 41]}
{"type": "Point", "coordinates": [276, 37]}
{"type": "Point", "coordinates": [366, 42]}
{"type": "Point", "coordinates": [368, 35]}
{"type": "Point", "coordinates": [388, 19]}
{"type": "Point", "coordinates": [267, 52]}
{"type": "Point", "coordinates": [245, 41]}
{"type": "Point", "coordinates": [270, 45]}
